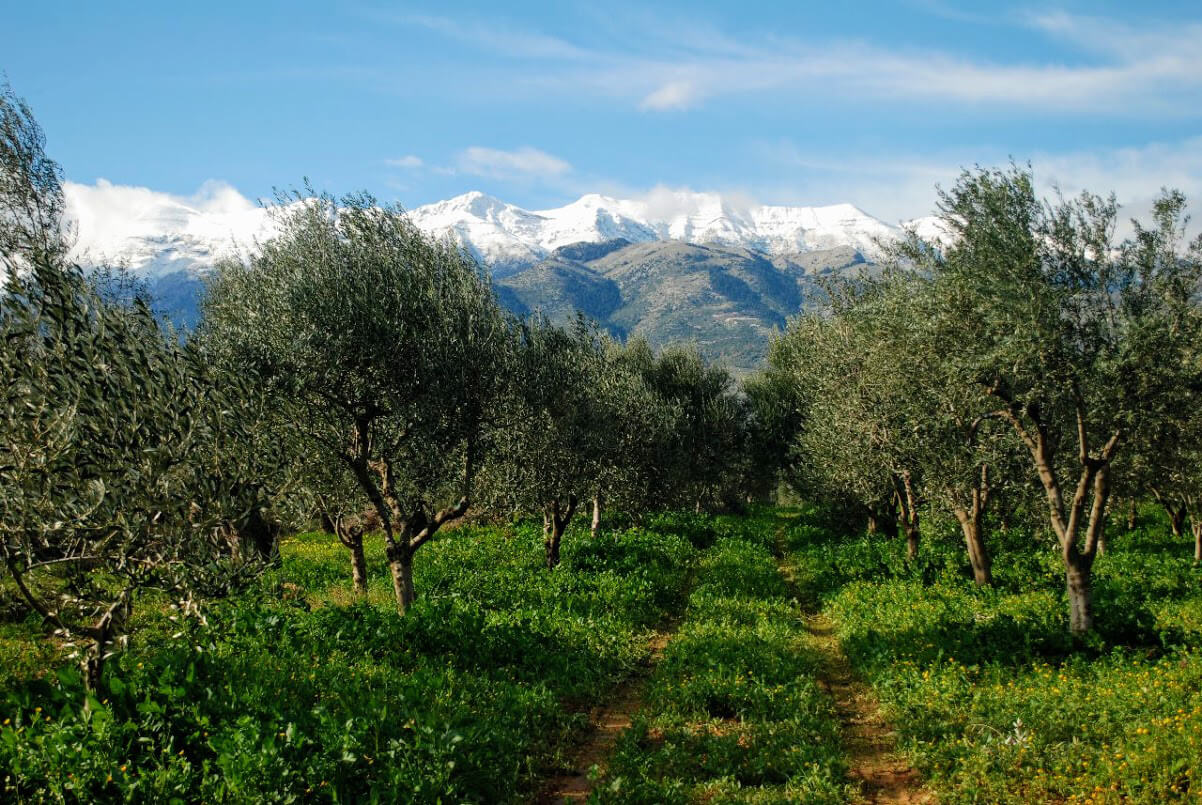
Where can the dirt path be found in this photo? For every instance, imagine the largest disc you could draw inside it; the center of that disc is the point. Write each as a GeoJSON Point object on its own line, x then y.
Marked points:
{"type": "Point", "coordinates": [606, 723]}
{"type": "Point", "coordinates": [874, 762]}
{"type": "Point", "coordinates": [883, 774]}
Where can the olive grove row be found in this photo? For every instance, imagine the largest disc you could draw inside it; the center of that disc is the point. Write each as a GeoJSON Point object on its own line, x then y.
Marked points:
{"type": "Point", "coordinates": [354, 374]}
{"type": "Point", "coordinates": [1031, 364]}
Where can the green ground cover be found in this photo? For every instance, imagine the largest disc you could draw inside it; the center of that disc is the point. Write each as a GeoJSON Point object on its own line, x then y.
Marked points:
{"type": "Point", "coordinates": [734, 713]}
{"type": "Point", "coordinates": [991, 697]}
{"type": "Point", "coordinates": [292, 693]}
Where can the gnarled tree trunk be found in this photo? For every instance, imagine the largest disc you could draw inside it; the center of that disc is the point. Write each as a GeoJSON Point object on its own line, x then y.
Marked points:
{"type": "Point", "coordinates": [350, 534]}
{"type": "Point", "coordinates": [358, 565]}
{"type": "Point", "coordinates": [908, 504]}
{"type": "Point", "coordinates": [1077, 530]}
{"type": "Point", "coordinates": [1176, 519]}
{"type": "Point", "coordinates": [555, 520]}
{"type": "Point", "coordinates": [1176, 509]}
{"type": "Point", "coordinates": [972, 524]}
{"type": "Point", "coordinates": [974, 541]}
{"type": "Point", "coordinates": [402, 580]}
{"type": "Point", "coordinates": [910, 524]}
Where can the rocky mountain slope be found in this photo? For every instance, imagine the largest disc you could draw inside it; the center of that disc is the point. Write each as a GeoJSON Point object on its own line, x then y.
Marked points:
{"type": "Point", "coordinates": [727, 300]}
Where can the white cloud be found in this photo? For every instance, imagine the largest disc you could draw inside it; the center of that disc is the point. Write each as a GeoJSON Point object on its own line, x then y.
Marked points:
{"type": "Point", "coordinates": [1134, 69]}
{"type": "Point", "coordinates": [407, 161]}
{"type": "Point", "coordinates": [525, 44]}
{"type": "Point", "coordinates": [902, 186]}
{"type": "Point", "coordinates": [522, 163]}
{"type": "Point", "coordinates": [673, 95]}
{"type": "Point", "coordinates": [669, 203]}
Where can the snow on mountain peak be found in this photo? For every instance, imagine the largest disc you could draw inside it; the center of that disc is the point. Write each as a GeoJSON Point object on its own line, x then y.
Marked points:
{"type": "Point", "coordinates": [157, 233]}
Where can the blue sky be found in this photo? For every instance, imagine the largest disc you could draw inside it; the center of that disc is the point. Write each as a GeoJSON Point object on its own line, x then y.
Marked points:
{"type": "Point", "coordinates": [800, 103]}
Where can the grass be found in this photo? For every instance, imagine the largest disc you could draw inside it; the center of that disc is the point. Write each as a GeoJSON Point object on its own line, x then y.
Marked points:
{"type": "Point", "coordinates": [296, 691]}
{"type": "Point", "coordinates": [293, 692]}
{"type": "Point", "coordinates": [992, 698]}
{"type": "Point", "coordinates": [734, 713]}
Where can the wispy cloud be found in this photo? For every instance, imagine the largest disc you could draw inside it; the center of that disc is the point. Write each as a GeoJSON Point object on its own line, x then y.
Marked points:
{"type": "Point", "coordinates": [896, 186]}
{"type": "Point", "coordinates": [1133, 69]}
{"type": "Point", "coordinates": [499, 38]}
{"type": "Point", "coordinates": [522, 163]}
{"type": "Point", "coordinates": [407, 161]}
{"type": "Point", "coordinates": [673, 95]}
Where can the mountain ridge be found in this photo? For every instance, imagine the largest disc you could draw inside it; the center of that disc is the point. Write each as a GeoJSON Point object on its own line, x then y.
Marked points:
{"type": "Point", "coordinates": [156, 234]}
{"type": "Point", "coordinates": [728, 301]}
{"type": "Point", "coordinates": [674, 266]}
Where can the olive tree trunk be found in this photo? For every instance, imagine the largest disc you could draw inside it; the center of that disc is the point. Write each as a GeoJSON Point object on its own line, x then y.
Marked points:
{"type": "Point", "coordinates": [1079, 522]}
{"type": "Point", "coordinates": [350, 534]}
{"type": "Point", "coordinates": [1079, 576]}
{"type": "Point", "coordinates": [358, 565]}
{"type": "Point", "coordinates": [1176, 519]}
{"type": "Point", "coordinates": [972, 525]}
{"type": "Point", "coordinates": [974, 540]}
{"type": "Point", "coordinates": [908, 503]}
{"type": "Point", "coordinates": [400, 565]}
{"type": "Point", "coordinates": [104, 633]}
{"type": "Point", "coordinates": [555, 521]}
{"type": "Point", "coordinates": [595, 527]}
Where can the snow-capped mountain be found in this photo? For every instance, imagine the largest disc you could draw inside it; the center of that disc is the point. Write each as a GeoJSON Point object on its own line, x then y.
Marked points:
{"type": "Point", "coordinates": [157, 234]}
{"type": "Point", "coordinates": [502, 235]}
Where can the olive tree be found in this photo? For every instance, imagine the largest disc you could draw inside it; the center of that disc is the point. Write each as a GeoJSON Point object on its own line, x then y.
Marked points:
{"type": "Point", "coordinates": [387, 344]}
{"type": "Point", "coordinates": [115, 438]}
{"type": "Point", "coordinates": [860, 436]}
{"type": "Point", "coordinates": [550, 451]}
{"type": "Point", "coordinates": [959, 449]}
{"type": "Point", "coordinates": [775, 421]}
{"type": "Point", "coordinates": [111, 429]}
{"type": "Point", "coordinates": [638, 428]}
{"type": "Point", "coordinates": [1081, 342]}
{"type": "Point", "coordinates": [708, 427]}
{"type": "Point", "coordinates": [32, 205]}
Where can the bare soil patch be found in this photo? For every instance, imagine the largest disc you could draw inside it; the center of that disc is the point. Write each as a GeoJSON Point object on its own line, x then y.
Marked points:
{"type": "Point", "coordinates": [606, 723]}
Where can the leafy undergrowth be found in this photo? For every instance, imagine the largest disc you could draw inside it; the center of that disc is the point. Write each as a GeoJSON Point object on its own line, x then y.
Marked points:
{"type": "Point", "coordinates": [991, 697]}
{"type": "Point", "coordinates": [734, 713]}
{"type": "Point", "coordinates": [294, 692]}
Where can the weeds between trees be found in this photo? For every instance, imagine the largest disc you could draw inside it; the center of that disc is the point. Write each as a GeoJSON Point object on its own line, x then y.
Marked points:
{"type": "Point", "coordinates": [1030, 344]}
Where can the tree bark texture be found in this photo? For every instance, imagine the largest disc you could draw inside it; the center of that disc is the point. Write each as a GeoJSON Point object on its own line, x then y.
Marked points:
{"type": "Point", "coordinates": [1079, 577]}
{"type": "Point", "coordinates": [358, 565]}
{"type": "Point", "coordinates": [555, 521]}
{"type": "Point", "coordinates": [908, 504]}
{"type": "Point", "coordinates": [595, 527]}
{"type": "Point", "coordinates": [974, 540]}
{"type": "Point", "coordinates": [1078, 523]}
